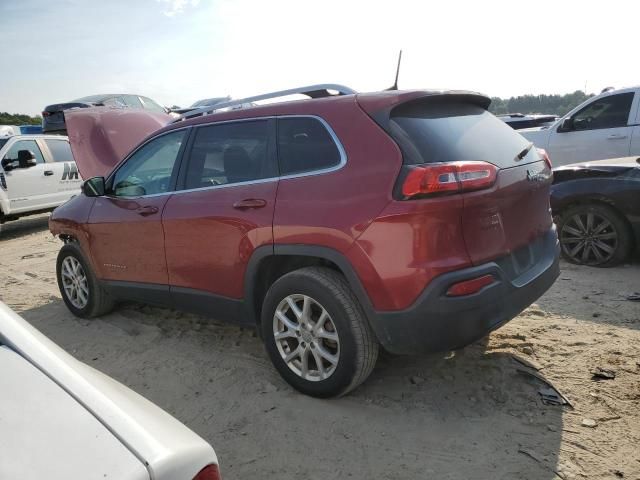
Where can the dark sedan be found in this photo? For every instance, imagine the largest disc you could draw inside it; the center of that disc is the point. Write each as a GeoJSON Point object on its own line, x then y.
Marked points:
{"type": "Point", "coordinates": [53, 115]}
{"type": "Point", "coordinates": [596, 206]}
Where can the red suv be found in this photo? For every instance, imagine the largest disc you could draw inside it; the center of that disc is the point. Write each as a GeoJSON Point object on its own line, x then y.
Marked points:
{"type": "Point", "coordinates": [414, 220]}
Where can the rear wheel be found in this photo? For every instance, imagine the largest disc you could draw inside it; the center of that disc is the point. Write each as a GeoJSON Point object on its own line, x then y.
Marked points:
{"type": "Point", "coordinates": [316, 333]}
{"type": "Point", "coordinates": [79, 287]}
{"type": "Point", "coordinates": [594, 234]}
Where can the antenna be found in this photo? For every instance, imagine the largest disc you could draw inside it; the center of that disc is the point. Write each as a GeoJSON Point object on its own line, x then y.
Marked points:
{"type": "Point", "coordinates": [395, 84]}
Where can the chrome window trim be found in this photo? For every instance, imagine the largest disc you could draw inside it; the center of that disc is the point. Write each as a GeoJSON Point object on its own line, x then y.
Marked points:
{"type": "Point", "coordinates": [334, 168]}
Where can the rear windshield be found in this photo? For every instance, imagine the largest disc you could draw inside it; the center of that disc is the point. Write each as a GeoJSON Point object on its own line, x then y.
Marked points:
{"type": "Point", "coordinates": [446, 132]}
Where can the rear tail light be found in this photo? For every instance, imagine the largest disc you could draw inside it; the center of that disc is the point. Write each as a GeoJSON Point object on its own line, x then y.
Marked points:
{"type": "Point", "coordinates": [45, 114]}
{"type": "Point", "coordinates": [452, 177]}
{"type": "Point", "coordinates": [210, 472]}
{"type": "Point", "coordinates": [545, 156]}
{"type": "Point", "coordinates": [468, 287]}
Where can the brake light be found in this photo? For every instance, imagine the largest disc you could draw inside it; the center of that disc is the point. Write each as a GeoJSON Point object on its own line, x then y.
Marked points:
{"type": "Point", "coordinates": [45, 114]}
{"type": "Point", "coordinates": [545, 156]}
{"type": "Point", "coordinates": [468, 287]}
{"type": "Point", "coordinates": [210, 472]}
{"type": "Point", "coordinates": [448, 177]}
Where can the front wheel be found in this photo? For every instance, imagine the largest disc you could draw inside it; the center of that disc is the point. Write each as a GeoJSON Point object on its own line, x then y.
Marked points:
{"type": "Point", "coordinates": [316, 333]}
{"type": "Point", "coordinates": [79, 287]}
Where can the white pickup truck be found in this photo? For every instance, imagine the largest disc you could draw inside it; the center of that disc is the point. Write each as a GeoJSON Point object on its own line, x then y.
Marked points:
{"type": "Point", "coordinates": [604, 126]}
{"type": "Point", "coordinates": [37, 174]}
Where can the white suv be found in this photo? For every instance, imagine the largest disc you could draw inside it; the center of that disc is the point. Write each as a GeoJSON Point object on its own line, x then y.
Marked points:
{"type": "Point", "coordinates": [605, 126]}
{"type": "Point", "coordinates": [37, 174]}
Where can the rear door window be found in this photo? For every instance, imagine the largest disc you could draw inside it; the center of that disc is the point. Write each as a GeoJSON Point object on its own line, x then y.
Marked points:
{"type": "Point", "coordinates": [437, 131]}
{"type": "Point", "coordinates": [305, 145]}
{"type": "Point", "coordinates": [608, 112]}
{"type": "Point", "coordinates": [60, 150]}
{"type": "Point", "coordinates": [231, 153]}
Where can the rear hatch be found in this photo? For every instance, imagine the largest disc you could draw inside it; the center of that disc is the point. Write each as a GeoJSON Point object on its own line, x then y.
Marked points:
{"type": "Point", "coordinates": [503, 217]}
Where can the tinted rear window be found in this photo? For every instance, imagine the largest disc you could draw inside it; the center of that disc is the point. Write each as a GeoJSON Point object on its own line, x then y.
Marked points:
{"type": "Point", "coordinates": [446, 132]}
{"type": "Point", "coordinates": [60, 150]}
{"type": "Point", "coordinates": [305, 145]}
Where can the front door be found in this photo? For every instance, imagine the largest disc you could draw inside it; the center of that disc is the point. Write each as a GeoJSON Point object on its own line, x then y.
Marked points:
{"type": "Point", "coordinates": [126, 237]}
{"type": "Point", "coordinates": [27, 188]}
{"type": "Point", "coordinates": [600, 130]}
{"type": "Point", "coordinates": [225, 210]}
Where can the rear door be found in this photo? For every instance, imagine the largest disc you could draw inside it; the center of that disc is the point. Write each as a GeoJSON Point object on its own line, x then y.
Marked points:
{"type": "Point", "coordinates": [28, 188]}
{"type": "Point", "coordinates": [225, 209]}
{"type": "Point", "coordinates": [126, 237]}
{"type": "Point", "coordinates": [65, 182]}
{"type": "Point", "coordinates": [602, 129]}
{"type": "Point", "coordinates": [515, 210]}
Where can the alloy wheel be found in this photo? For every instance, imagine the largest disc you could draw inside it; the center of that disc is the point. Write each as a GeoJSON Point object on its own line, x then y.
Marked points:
{"type": "Point", "coordinates": [589, 238]}
{"type": "Point", "coordinates": [75, 283]}
{"type": "Point", "coordinates": [306, 337]}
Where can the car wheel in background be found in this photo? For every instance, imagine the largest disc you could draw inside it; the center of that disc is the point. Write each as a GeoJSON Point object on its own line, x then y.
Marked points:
{"type": "Point", "coordinates": [79, 287]}
{"type": "Point", "coordinates": [316, 333]}
{"type": "Point", "coordinates": [594, 234]}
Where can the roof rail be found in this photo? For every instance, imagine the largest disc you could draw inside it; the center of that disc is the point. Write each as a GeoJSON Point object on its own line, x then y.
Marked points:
{"type": "Point", "coordinates": [311, 91]}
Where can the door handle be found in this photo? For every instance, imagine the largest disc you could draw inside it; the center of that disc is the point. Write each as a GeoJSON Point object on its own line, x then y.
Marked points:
{"type": "Point", "coordinates": [613, 136]}
{"type": "Point", "coordinates": [250, 203]}
{"type": "Point", "coordinates": [48, 173]}
{"type": "Point", "coordinates": [148, 210]}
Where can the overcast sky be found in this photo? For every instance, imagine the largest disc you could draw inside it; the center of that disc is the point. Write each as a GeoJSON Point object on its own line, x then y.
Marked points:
{"type": "Point", "coordinates": [179, 51]}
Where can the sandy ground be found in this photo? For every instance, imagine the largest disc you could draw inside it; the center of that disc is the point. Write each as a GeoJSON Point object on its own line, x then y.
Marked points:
{"type": "Point", "coordinates": [475, 414]}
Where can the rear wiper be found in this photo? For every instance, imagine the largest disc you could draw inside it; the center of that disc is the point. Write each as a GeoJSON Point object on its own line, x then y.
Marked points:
{"type": "Point", "coordinates": [524, 152]}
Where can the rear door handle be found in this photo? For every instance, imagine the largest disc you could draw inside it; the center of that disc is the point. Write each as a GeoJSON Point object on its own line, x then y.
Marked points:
{"type": "Point", "coordinates": [613, 136]}
{"type": "Point", "coordinates": [250, 203]}
{"type": "Point", "coordinates": [148, 210]}
{"type": "Point", "coordinates": [48, 173]}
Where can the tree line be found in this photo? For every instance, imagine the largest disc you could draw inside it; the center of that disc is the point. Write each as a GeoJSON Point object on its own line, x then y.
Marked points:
{"type": "Point", "coordinates": [549, 104]}
{"type": "Point", "coordinates": [18, 119]}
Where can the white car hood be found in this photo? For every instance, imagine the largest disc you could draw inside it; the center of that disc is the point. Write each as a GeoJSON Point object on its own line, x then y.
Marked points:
{"type": "Point", "coordinates": [168, 448]}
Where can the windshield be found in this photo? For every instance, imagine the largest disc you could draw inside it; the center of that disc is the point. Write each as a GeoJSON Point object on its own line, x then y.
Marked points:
{"type": "Point", "coordinates": [3, 141]}
{"type": "Point", "coordinates": [94, 98]}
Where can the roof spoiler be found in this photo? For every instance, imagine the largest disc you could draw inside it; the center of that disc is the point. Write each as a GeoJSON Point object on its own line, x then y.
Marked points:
{"type": "Point", "coordinates": [312, 91]}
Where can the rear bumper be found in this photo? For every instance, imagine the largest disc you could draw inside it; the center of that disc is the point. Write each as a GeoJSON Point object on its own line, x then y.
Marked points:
{"type": "Point", "coordinates": [436, 322]}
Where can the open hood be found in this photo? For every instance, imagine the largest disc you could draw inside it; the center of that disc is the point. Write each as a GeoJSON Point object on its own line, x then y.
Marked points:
{"type": "Point", "coordinates": [101, 137]}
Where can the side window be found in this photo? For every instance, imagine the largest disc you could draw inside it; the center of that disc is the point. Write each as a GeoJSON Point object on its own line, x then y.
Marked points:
{"type": "Point", "coordinates": [132, 101]}
{"type": "Point", "coordinates": [149, 104]}
{"type": "Point", "coordinates": [304, 145]}
{"type": "Point", "coordinates": [230, 153]}
{"type": "Point", "coordinates": [149, 170]}
{"type": "Point", "coordinates": [60, 150]}
{"type": "Point", "coordinates": [609, 112]}
{"type": "Point", "coordinates": [30, 145]}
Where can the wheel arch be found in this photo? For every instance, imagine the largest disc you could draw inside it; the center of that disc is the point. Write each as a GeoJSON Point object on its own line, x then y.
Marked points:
{"type": "Point", "coordinates": [268, 263]}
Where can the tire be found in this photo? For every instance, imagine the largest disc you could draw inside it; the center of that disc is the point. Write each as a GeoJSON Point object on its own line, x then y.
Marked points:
{"type": "Point", "coordinates": [344, 337]}
{"type": "Point", "coordinates": [98, 301]}
{"type": "Point", "coordinates": [597, 229]}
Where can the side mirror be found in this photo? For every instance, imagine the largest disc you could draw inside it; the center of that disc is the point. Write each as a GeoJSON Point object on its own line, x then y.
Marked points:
{"type": "Point", "coordinates": [94, 187]}
{"type": "Point", "coordinates": [566, 125]}
{"type": "Point", "coordinates": [26, 159]}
